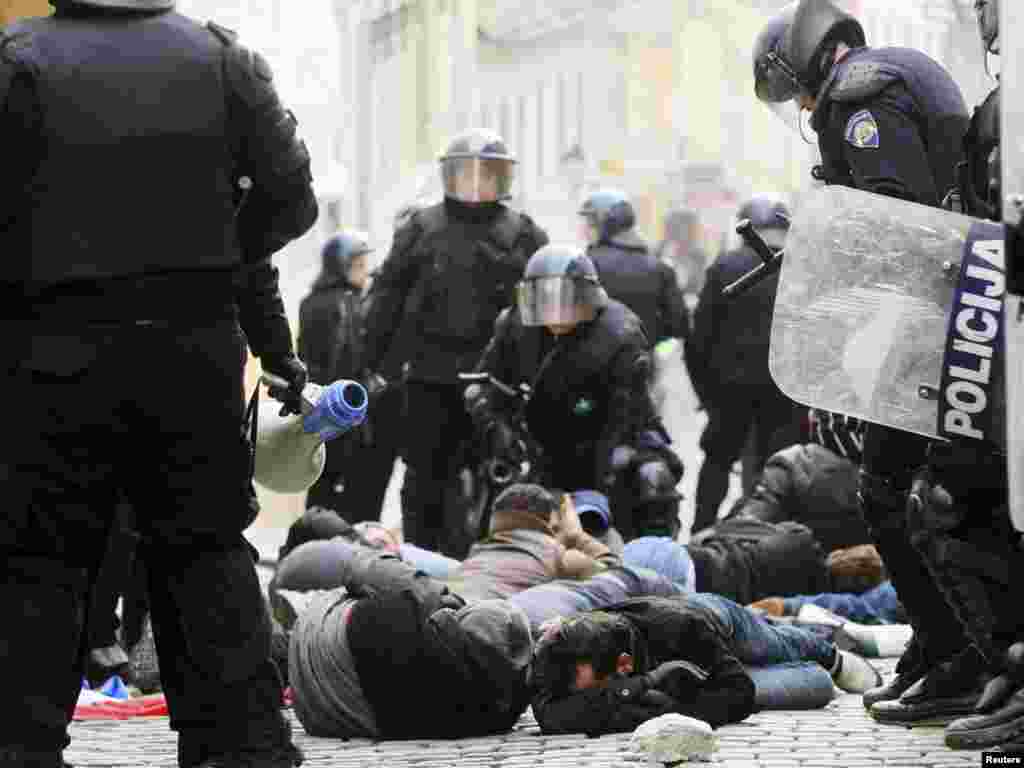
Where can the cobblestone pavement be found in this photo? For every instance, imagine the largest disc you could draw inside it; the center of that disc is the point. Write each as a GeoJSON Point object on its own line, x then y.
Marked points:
{"type": "Point", "coordinates": [839, 735]}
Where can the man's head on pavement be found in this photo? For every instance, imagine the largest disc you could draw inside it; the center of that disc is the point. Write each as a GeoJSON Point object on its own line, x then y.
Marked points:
{"type": "Point", "coordinates": [584, 651]}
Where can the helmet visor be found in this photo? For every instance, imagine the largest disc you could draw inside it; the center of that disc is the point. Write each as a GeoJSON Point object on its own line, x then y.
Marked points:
{"type": "Point", "coordinates": [477, 179]}
{"type": "Point", "coordinates": [558, 300]}
{"type": "Point", "coordinates": [774, 79]}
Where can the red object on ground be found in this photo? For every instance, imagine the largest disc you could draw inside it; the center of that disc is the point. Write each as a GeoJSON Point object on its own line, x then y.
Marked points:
{"type": "Point", "coordinates": [114, 709]}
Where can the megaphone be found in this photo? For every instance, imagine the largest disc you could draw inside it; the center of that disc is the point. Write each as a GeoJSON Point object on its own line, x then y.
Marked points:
{"type": "Point", "coordinates": [290, 451]}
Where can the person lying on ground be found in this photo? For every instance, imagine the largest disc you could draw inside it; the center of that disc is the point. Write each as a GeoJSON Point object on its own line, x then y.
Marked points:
{"type": "Point", "coordinates": [879, 605]}
{"type": "Point", "coordinates": [534, 537]}
{"type": "Point", "coordinates": [609, 670]}
{"type": "Point", "coordinates": [462, 665]}
{"type": "Point", "coordinates": [746, 559]}
{"type": "Point", "coordinates": [814, 484]}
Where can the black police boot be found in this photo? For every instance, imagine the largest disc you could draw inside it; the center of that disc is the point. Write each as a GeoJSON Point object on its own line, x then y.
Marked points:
{"type": "Point", "coordinates": [936, 636]}
{"type": "Point", "coordinates": [288, 757]}
{"type": "Point", "coordinates": [1002, 726]}
{"type": "Point", "coordinates": [15, 757]}
{"type": "Point", "coordinates": [949, 691]}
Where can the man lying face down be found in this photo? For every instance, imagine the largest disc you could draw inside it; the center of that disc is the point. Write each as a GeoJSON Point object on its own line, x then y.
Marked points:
{"type": "Point", "coordinates": [609, 670]}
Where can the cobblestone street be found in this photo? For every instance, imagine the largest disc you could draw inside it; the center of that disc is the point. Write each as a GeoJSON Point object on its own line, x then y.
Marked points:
{"type": "Point", "coordinates": [840, 735]}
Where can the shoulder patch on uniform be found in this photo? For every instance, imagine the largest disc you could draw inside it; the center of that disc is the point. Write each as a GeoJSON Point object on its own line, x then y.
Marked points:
{"type": "Point", "coordinates": [862, 130]}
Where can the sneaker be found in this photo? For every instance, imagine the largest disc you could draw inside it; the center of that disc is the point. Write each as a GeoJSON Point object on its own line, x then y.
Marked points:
{"type": "Point", "coordinates": [854, 674]}
{"type": "Point", "coordinates": [873, 641]}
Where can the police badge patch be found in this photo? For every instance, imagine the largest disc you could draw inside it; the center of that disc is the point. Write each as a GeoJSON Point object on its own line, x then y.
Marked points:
{"type": "Point", "coordinates": [862, 130]}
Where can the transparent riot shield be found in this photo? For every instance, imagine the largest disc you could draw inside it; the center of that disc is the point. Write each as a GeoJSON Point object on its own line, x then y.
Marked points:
{"type": "Point", "coordinates": [1011, 27]}
{"type": "Point", "coordinates": [892, 312]}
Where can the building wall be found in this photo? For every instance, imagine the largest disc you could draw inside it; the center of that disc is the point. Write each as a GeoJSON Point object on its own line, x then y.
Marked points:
{"type": "Point", "coordinates": [659, 98]}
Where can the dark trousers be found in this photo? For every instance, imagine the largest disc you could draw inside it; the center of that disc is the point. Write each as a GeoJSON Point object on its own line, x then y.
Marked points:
{"type": "Point", "coordinates": [436, 428]}
{"type": "Point", "coordinates": [359, 464]}
{"type": "Point", "coordinates": [102, 416]}
{"type": "Point", "coordinates": [776, 421]}
{"type": "Point", "coordinates": [890, 459]}
{"type": "Point", "coordinates": [112, 581]}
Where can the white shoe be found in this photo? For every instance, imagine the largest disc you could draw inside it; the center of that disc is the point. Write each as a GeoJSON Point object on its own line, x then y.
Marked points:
{"type": "Point", "coordinates": [854, 674]}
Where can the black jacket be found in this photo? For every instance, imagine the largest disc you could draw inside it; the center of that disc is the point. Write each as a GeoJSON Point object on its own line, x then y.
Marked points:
{"type": "Point", "coordinates": [592, 395]}
{"type": "Point", "coordinates": [810, 484]}
{"type": "Point", "coordinates": [116, 259]}
{"type": "Point", "coordinates": [330, 331]}
{"type": "Point", "coordinates": [451, 270]}
{"type": "Point", "coordinates": [666, 630]}
{"type": "Point", "coordinates": [648, 286]}
{"type": "Point", "coordinates": [728, 348]}
{"type": "Point", "coordinates": [746, 559]}
{"type": "Point", "coordinates": [891, 121]}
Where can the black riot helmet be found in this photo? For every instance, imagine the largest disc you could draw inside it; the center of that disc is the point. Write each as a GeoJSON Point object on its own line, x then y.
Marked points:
{"type": "Point", "coordinates": [559, 287]}
{"type": "Point", "coordinates": [793, 51]}
{"type": "Point", "coordinates": [341, 249]}
{"type": "Point", "coordinates": [609, 212]}
{"type": "Point", "coordinates": [769, 216]}
{"type": "Point", "coordinates": [478, 167]}
{"type": "Point", "coordinates": [987, 12]}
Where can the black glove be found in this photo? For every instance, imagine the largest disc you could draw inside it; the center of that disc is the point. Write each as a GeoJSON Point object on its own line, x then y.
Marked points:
{"type": "Point", "coordinates": [291, 370]}
{"type": "Point", "coordinates": [678, 679]}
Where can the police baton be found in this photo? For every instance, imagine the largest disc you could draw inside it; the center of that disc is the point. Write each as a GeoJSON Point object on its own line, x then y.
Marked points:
{"type": "Point", "coordinates": [770, 262]}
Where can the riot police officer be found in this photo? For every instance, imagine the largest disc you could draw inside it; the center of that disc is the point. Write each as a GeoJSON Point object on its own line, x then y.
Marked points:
{"type": "Point", "coordinates": [988, 562]}
{"type": "Point", "coordinates": [452, 268]}
{"type": "Point", "coordinates": [330, 343]}
{"type": "Point", "coordinates": [127, 365]}
{"type": "Point", "coordinates": [889, 121]}
{"type": "Point", "coordinates": [629, 272]}
{"type": "Point", "coordinates": [727, 359]}
{"type": "Point", "coordinates": [586, 359]}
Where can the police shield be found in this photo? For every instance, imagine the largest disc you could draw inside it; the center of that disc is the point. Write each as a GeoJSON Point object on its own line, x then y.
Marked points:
{"type": "Point", "coordinates": [892, 312]}
{"type": "Point", "coordinates": [1011, 25]}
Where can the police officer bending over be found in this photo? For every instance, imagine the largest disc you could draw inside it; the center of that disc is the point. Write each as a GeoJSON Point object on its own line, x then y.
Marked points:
{"type": "Point", "coordinates": [451, 270]}
{"type": "Point", "coordinates": [125, 242]}
{"type": "Point", "coordinates": [889, 121]}
{"type": "Point", "coordinates": [587, 360]}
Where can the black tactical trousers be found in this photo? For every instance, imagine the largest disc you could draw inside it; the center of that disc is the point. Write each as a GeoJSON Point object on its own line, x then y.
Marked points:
{"type": "Point", "coordinates": [152, 415]}
{"type": "Point", "coordinates": [436, 426]}
{"type": "Point", "coordinates": [890, 459]}
{"type": "Point", "coordinates": [777, 421]}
